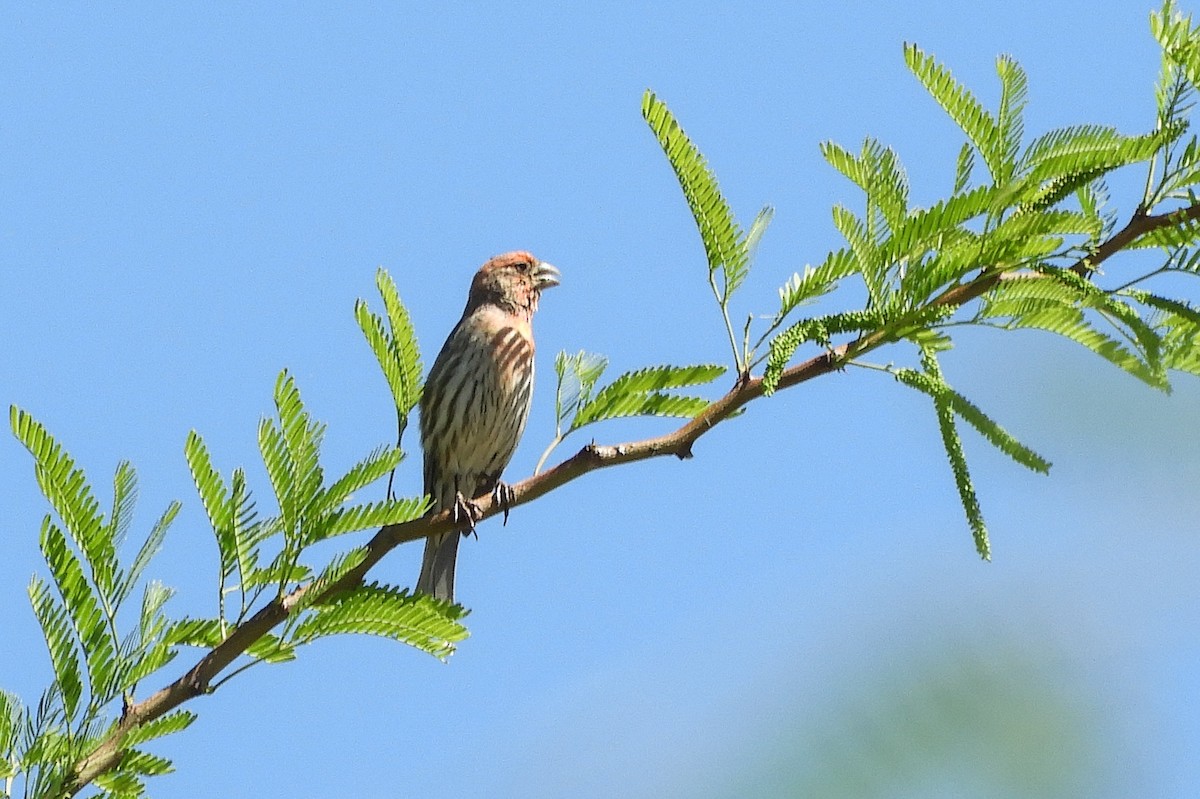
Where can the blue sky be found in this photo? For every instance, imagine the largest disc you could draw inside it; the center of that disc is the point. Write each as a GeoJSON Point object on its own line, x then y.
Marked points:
{"type": "Point", "coordinates": [192, 199]}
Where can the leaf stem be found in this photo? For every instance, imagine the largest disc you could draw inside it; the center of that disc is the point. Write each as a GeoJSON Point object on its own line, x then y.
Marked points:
{"type": "Point", "coordinates": [723, 303]}
{"type": "Point", "coordinates": [558, 439]}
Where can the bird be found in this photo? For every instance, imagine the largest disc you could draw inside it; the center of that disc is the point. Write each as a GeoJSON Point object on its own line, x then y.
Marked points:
{"type": "Point", "coordinates": [476, 402]}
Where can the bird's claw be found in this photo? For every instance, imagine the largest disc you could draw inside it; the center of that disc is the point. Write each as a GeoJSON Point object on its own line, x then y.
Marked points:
{"type": "Point", "coordinates": [503, 495]}
{"type": "Point", "coordinates": [466, 513]}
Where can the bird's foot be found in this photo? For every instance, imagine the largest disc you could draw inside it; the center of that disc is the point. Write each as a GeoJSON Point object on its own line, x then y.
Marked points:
{"type": "Point", "coordinates": [465, 513]}
{"type": "Point", "coordinates": [503, 495]}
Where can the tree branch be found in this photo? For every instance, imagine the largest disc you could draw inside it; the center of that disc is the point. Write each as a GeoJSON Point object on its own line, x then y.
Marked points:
{"type": "Point", "coordinates": [591, 458]}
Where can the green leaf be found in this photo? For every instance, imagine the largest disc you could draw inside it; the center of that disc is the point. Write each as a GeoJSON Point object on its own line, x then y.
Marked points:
{"type": "Point", "coordinates": [121, 785]}
{"type": "Point", "coordinates": [1093, 200]}
{"type": "Point", "coordinates": [655, 403]}
{"type": "Point", "coordinates": [12, 717]}
{"type": "Point", "coordinates": [83, 608]}
{"type": "Point", "coordinates": [60, 641]}
{"type": "Point", "coordinates": [67, 489]}
{"type": "Point", "coordinates": [1056, 303]}
{"type": "Point", "coordinates": [124, 500]}
{"type": "Point", "coordinates": [1181, 180]}
{"type": "Point", "coordinates": [214, 496]}
{"type": "Point", "coordinates": [889, 184]}
{"type": "Point", "coordinates": [302, 437]}
{"type": "Point", "coordinates": [1089, 143]}
{"type": "Point", "coordinates": [162, 726]}
{"type": "Point", "coordinates": [964, 167]}
{"type": "Point", "coordinates": [280, 468]}
{"type": "Point", "coordinates": [366, 516]}
{"type": "Point", "coordinates": [1173, 92]}
{"type": "Point", "coordinates": [148, 550]}
{"type": "Point", "coordinates": [246, 531]}
{"type": "Point", "coordinates": [865, 246]}
{"type": "Point", "coordinates": [877, 171]}
{"type": "Point", "coordinates": [1179, 323]}
{"type": "Point", "coordinates": [757, 228]}
{"type": "Point", "coordinates": [1174, 307]}
{"type": "Point", "coordinates": [996, 435]}
{"type": "Point", "coordinates": [1010, 123]}
{"type": "Point", "coordinates": [150, 620]}
{"type": "Point", "coordinates": [815, 282]}
{"type": "Point", "coordinates": [417, 620]}
{"type": "Point", "coordinates": [724, 246]}
{"type": "Point", "coordinates": [203, 633]}
{"type": "Point", "coordinates": [270, 648]}
{"type": "Point", "coordinates": [135, 761]}
{"type": "Point", "coordinates": [146, 651]}
{"type": "Point", "coordinates": [371, 468]}
{"type": "Point", "coordinates": [1120, 314]}
{"type": "Point", "coordinates": [230, 510]}
{"type": "Point", "coordinates": [931, 339]}
{"type": "Point", "coordinates": [45, 738]}
{"type": "Point", "coordinates": [1030, 236]}
{"type": "Point", "coordinates": [395, 347]}
{"type": "Point", "coordinates": [820, 329]}
{"type": "Point", "coordinates": [640, 393]}
{"type": "Point", "coordinates": [1072, 157]}
{"type": "Point", "coordinates": [975, 121]}
{"type": "Point", "coordinates": [282, 570]}
{"type": "Point", "coordinates": [1181, 347]}
{"type": "Point", "coordinates": [1180, 41]}
{"type": "Point", "coordinates": [337, 568]}
{"type": "Point", "coordinates": [577, 376]}
{"type": "Point", "coordinates": [958, 459]}
{"type": "Point", "coordinates": [941, 230]}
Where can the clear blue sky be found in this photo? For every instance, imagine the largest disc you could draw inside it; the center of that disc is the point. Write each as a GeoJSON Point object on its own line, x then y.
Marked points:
{"type": "Point", "coordinates": [191, 198]}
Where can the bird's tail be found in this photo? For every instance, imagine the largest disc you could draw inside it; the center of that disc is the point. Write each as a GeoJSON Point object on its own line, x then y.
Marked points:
{"type": "Point", "coordinates": [437, 566]}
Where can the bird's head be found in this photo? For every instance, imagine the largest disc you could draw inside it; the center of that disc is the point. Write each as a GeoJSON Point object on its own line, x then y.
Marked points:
{"type": "Point", "coordinates": [513, 281]}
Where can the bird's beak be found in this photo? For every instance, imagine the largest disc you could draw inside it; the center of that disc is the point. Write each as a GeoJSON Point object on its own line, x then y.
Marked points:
{"type": "Point", "coordinates": [545, 275]}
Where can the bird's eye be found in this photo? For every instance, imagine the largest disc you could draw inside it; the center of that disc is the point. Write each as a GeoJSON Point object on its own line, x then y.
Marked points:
{"type": "Point", "coordinates": [523, 266]}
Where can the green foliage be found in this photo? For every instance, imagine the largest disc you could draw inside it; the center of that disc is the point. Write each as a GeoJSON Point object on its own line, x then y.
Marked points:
{"type": "Point", "coordinates": [395, 347]}
{"type": "Point", "coordinates": [947, 403]}
{"type": "Point", "coordinates": [210, 633]}
{"type": "Point", "coordinates": [310, 511]}
{"type": "Point", "coordinates": [719, 230]}
{"type": "Point", "coordinates": [878, 172]}
{"type": "Point", "coordinates": [93, 665]}
{"type": "Point", "coordinates": [992, 138]}
{"type": "Point", "coordinates": [12, 719]}
{"type": "Point", "coordinates": [1028, 235]}
{"type": "Point", "coordinates": [820, 329]}
{"type": "Point", "coordinates": [1057, 302]}
{"type": "Point", "coordinates": [728, 251]}
{"type": "Point", "coordinates": [83, 610]}
{"type": "Point", "coordinates": [936, 387]}
{"type": "Point", "coordinates": [160, 727]}
{"type": "Point", "coordinates": [815, 282]}
{"type": "Point", "coordinates": [57, 630]}
{"type": "Point", "coordinates": [642, 392]}
{"type": "Point", "coordinates": [418, 620]}
{"type": "Point", "coordinates": [577, 378]}
{"type": "Point", "coordinates": [65, 486]}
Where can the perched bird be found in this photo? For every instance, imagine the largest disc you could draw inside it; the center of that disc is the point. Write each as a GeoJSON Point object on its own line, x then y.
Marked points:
{"type": "Point", "coordinates": [476, 401]}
